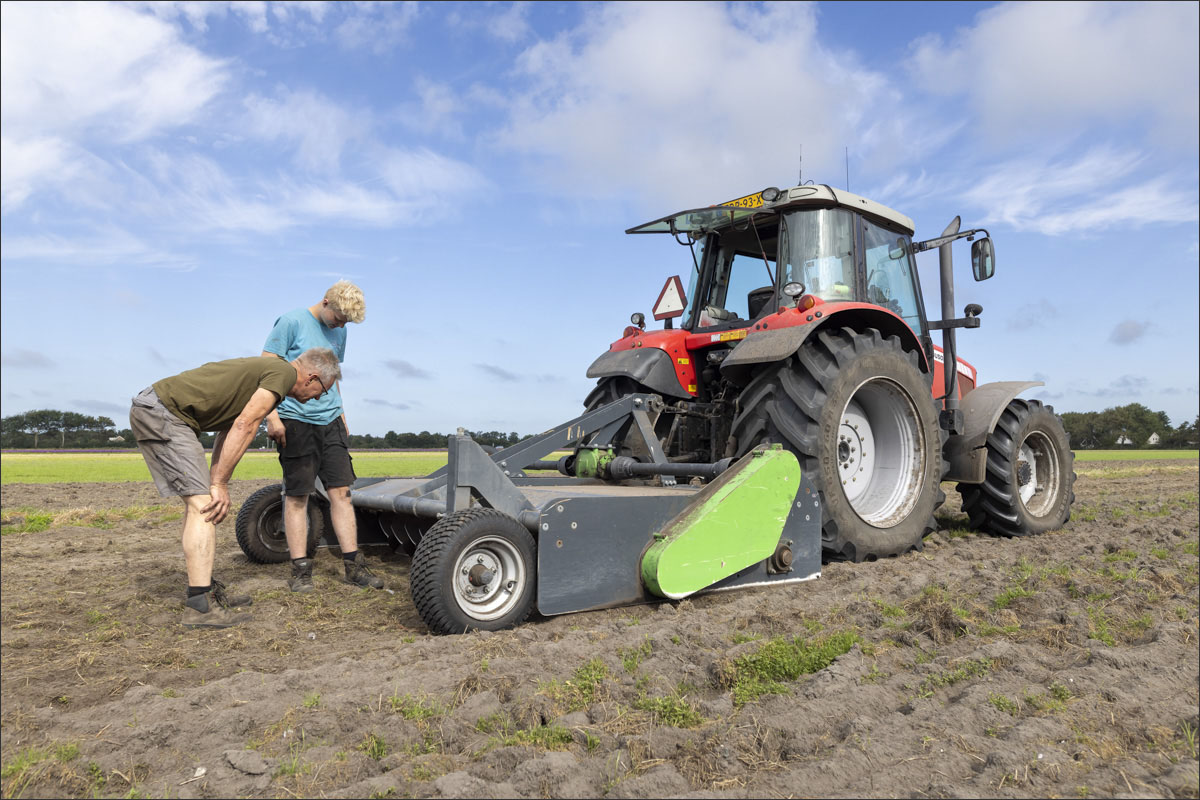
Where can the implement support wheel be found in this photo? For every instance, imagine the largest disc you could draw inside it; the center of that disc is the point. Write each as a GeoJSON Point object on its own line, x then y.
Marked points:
{"type": "Point", "coordinates": [1029, 484]}
{"type": "Point", "coordinates": [259, 526]}
{"type": "Point", "coordinates": [474, 570]}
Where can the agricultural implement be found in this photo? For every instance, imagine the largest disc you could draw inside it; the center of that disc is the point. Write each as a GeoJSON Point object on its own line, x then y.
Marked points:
{"type": "Point", "coordinates": [800, 412]}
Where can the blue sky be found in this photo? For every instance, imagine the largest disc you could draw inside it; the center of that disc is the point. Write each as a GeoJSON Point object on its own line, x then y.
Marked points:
{"type": "Point", "coordinates": [176, 175]}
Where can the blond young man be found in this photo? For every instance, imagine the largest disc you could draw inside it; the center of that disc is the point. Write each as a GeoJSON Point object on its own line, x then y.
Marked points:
{"type": "Point", "coordinates": [313, 438]}
{"type": "Point", "coordinates": [231, 397]}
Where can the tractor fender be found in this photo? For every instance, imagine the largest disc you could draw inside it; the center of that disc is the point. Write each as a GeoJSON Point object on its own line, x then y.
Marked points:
{"type": "Point", "coordinates": [649, 366]}
{"type": "Point", "coordinates": [768, 346]}
{"type": "Point", "coordinates": [981, 407]}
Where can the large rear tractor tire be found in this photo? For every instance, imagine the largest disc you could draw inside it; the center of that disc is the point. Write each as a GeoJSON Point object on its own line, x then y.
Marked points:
{"type": "Point", "coordinates": [474, 570]}
{"type": "Point", "coordinates": [259, 526]}
{"type": "Point", "coordinates": [1029, 484]}
{"type": "Point", "coordinates": [856, 410]}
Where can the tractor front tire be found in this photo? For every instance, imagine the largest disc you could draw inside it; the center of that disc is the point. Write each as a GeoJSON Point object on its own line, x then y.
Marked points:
{"type": "Point", "coordinates": [1029, 484]}
{"type": "Point", "coordinates": [474, 570]}
{"type": "Point", "coordinates": [856, 410]}
{"type": "Point", "coordinates": [259, 526]}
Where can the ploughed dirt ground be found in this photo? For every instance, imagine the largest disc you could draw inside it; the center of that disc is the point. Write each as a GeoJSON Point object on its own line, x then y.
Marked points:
{"type": "Point", "coordinates": [1062, 665]}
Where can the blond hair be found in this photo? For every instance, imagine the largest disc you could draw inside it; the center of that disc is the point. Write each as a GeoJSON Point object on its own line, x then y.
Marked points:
{"type": "Point", "coordinates": [347, 300]}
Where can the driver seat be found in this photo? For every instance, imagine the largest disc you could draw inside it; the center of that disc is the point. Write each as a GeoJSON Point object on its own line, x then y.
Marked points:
{"type": "Point", "coordinates": [757, 300]}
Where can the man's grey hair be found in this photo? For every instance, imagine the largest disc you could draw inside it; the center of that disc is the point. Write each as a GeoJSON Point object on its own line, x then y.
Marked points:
{"type": "Point", "coordinates": [324, 362]}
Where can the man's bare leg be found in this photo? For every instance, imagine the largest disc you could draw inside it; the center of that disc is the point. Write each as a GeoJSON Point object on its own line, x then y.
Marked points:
{"type": "Point", "coordinates": [295, 525]}
{"type": "Point", "coordinates": [341, 511]}
{"type": "Point", "coordinates": [295, 528]}
{"type": "Point", "coordinates": [345, 527]}
{"type": "Point", "coordinates": [199, 546]}
{"type": "Point", "coordinates": [199, 540]}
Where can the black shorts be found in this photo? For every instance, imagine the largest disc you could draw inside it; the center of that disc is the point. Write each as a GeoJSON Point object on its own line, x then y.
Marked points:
{"type": "Point", "coordinates": [314, 450]}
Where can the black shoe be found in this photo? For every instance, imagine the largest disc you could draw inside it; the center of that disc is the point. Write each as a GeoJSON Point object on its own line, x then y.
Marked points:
{"type": "Point", "coordinates": [207, 611]}
{"type": "Point", "coordinates": [301, 576]}
{"type": "Point", "coordinates": [358, 574]}
{"type": "Point", "coordinates": [228, 600]}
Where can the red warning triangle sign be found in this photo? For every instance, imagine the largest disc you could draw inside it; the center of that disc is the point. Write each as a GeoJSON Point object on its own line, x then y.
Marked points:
{"type": "Point", "coordinates": [671, 300]}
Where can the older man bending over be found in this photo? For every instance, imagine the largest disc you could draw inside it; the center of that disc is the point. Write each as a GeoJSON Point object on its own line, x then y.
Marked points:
{"type": "Point", "coordinates": [233, 398]}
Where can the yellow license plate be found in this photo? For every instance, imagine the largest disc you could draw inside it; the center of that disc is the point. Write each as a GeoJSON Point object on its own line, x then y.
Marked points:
{"type": "Point", "coordinates": [749, 201]}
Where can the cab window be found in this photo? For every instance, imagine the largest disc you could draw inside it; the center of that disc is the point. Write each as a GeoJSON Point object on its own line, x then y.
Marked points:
{"type": "Point", "coordinates": [817, 250]}
{"type": "Point", "coordinates": [736, 277]}
{"type": "Point", "coordinates": [890, 275]}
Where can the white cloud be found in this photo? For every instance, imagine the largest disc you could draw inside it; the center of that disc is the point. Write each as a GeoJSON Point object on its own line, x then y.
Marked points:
{"type": "Point", "coordinates": [1089, 192]}
{"type": "Point", "coordinates": [110, 245]}
{"type": "Point", "coordinates": [510, 24]}
{"type": "Point", "coordinates": [375, 26]}
{"type": "Point", "coordinates": [697, 107]}
{"type": "Point", "coordinates": [420, 173]}
{"type": "Point", "coordinates": [318, 127]}
{"type": "Point", "coordinates": [96, 65]}
{"type": "Point", "coordinates": [287, 23]}
{"type": "Point", "coordinates": [1032, 68]}
{"type": "Point", "coordinates": [72, 71]}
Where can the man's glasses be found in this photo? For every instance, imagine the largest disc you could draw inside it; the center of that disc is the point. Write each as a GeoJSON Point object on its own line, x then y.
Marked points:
{"type": "Point", "coordinates": [324, 388]}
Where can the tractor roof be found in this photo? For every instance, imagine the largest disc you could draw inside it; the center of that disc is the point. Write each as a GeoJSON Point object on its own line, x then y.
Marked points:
{"type": "Point", "coordinates": [706, 219]}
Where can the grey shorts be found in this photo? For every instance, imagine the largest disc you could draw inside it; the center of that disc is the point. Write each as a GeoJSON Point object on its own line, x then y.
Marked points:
{"type": "Point", "coordinates": [171, 448]}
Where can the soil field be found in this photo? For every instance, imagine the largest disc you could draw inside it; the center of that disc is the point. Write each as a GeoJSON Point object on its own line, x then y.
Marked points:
{"type": "Point", "coordinates": [1061, 665]}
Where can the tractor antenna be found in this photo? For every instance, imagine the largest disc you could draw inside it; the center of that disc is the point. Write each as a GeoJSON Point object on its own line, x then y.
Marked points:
{"type": "Point", "coordinates": [800, 177]}
{"type": "Point", "coordinates": [847, 168]}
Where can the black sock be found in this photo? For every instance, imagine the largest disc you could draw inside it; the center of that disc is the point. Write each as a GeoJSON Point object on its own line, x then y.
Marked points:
{"type": "Point", "coordinates": [349, 557]}
{"type": "Point", "coordinates": [297, 561]}
{"type": "Point", "coordinates": [195, 591]}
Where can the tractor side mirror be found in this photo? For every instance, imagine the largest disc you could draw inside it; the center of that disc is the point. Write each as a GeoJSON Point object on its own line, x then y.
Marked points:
{"type": "Point", "coordinates": [983, 259]}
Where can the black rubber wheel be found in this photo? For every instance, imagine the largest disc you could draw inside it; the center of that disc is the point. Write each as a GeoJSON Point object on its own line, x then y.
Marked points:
{"type": "Point", "coordinates": [474, 570]}
{"type": "Point", "coordinates": [259, 526]}
{"type": "Point", "coordinates": [1029, 484]}
{"type": "Point", "coordinates": [857, 411]}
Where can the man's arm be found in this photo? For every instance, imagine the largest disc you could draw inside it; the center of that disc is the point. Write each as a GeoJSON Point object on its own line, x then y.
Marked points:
{"type": "Point", "coordinates": [275, 430]}
{"type": "Point", "coordinates": [229, 448]}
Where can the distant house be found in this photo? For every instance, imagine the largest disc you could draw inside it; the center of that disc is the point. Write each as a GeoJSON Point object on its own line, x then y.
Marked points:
{"type": "Point", "coordinates": [1153, 440]}
{"type": "Point", "coordinates": [116, 438]}
{"type": "Point", "coordinates": [1123, 439]}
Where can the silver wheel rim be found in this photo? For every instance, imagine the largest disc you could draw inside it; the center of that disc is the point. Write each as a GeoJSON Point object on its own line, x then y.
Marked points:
{"type": "Point", "coordinates": [270, 529]}
{"type": "Point", "coordinates": [881, 453]}
{"type": "Point", "coordinates": [1037, 473]}
{"type": "Point", "coordinates": [489, 578]}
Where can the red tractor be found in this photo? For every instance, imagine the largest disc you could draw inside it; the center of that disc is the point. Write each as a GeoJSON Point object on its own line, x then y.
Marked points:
{"type": "Point", "coordinates": [803, 324]}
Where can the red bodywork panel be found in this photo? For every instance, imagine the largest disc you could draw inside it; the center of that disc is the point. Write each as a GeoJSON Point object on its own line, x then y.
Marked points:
{"type": "Point", "coordinates": [683, 346]}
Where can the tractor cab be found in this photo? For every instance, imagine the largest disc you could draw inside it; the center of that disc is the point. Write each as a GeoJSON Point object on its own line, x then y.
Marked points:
{"type": "Point", "coordinates": [823, 246]}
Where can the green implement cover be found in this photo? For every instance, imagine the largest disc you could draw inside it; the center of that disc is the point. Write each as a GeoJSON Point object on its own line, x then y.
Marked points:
{"type": "Point", "coordinates": [733, 523]}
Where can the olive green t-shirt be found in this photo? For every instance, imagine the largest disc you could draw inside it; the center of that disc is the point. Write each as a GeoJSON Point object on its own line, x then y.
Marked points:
{"type": "Point", "coordinates": [210, 397]}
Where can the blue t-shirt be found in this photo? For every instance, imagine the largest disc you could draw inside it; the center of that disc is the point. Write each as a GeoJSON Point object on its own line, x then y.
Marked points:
{"type": "Point", "coordinates": [294, 333]}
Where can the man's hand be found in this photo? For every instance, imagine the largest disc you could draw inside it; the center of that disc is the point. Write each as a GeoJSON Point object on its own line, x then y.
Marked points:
{"type": "Point", "coordinates": [276, 431]}
{"type": "Point", "coordinates": [218, 509]}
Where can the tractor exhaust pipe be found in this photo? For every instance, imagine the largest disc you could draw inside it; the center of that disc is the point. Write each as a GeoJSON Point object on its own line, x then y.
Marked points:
{"type": "Point", "coordinates": [949, 353]}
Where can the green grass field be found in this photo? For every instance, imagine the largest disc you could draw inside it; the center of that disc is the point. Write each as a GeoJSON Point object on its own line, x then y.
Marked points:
{"type": "Point", "coordinates": [129, 466]}
{"type": "Point", "coordinates": [120, 467]}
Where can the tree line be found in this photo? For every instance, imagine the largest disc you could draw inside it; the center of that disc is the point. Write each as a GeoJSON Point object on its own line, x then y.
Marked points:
{"type": "Point", "coordinates": [51, 429]}
{"type": "Point", "coordinates": [1133, 425]}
